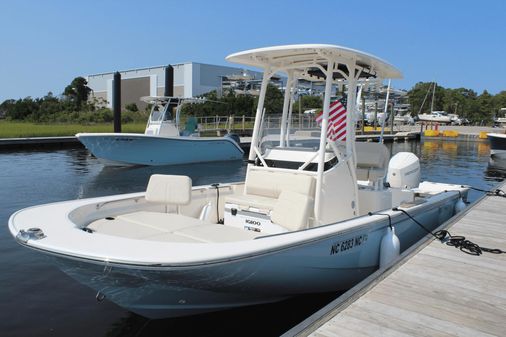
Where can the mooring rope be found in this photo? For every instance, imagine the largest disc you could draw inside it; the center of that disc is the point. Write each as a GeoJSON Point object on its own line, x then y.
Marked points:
{"type": "Point", "coordinates": [496, 192]}
{"type": "Point", "coordinates": [459, 241]}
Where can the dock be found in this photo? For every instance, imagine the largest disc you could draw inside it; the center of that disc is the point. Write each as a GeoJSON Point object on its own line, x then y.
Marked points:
{"type": "Point", "coordinates": [431, 290]}
{"type": "Point", "coordinates": [38, 142]}
{"type": "Point", "coordinates": [72, 141]}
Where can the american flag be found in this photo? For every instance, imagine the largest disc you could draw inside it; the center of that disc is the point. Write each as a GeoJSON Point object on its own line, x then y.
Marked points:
{"type": "Point", "coordinates": [337, 120]}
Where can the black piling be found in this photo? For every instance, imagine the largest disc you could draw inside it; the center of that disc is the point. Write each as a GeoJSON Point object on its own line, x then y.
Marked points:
{"type": "Point", "coordinates": [169, 81]}
{"type": "Point", "coordinates": [116, 101]}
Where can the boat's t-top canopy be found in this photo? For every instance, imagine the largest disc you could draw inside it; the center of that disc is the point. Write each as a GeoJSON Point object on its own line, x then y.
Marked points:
{"type": "Point", "coordinates": [171, 99]}
{"type": "Point", "coordinates": [310, 61]}
{"type": "Point", "coordinates": [333, 65]}
{"type": "Point", "coordinates": [162, 107]}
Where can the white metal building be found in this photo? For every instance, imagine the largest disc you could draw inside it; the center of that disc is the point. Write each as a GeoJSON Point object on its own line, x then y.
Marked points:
{"type": "Point", "coordinates": [190, 79]}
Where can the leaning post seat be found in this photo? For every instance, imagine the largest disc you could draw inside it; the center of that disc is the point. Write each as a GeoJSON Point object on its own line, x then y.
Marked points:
{"type": "Point", "coordinates": [284, 196]}
{"type": "Point", "coordinates": [263, 187]}
{"type": "Point", "coordinates": [372, 161]}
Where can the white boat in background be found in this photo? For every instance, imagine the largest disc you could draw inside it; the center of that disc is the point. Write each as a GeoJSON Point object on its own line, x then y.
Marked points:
{"type": "Point", "coordinates": [162, 142]}
{"type": "Point", "coordinates": [300, 223]}
{"type": "Point", "coordinates": [402, 114]}
{"type": "Point", "coordinates": [403, 119]}
{"type": "Point", "coordinates": [436, 117]}
{"type": "Point", "coordinates": [440, 117]}
{"type": "Point", "coordinates": [500, 120]}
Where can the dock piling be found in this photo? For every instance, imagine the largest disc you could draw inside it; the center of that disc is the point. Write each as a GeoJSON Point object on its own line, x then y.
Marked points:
{"type": "Point", "coordinates": [116, 101]}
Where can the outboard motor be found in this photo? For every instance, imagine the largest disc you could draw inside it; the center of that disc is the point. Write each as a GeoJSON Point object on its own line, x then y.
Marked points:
{"type": "Point", "coordinates": [235, 137]}
{"type": "Point", "coordinates": [404, 171]}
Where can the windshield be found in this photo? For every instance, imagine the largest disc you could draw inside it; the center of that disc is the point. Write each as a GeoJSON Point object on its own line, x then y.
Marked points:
{"type": "Point", "coordinates": [303, 126]}
{"type": "Point", "coordinates": [302, 131]}
{"type": "Point", "coordinates": [157, 113]}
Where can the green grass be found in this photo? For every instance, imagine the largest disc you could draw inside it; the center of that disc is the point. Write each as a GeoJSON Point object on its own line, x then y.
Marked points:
{"type": "Point", "coordinates": [9, 129]}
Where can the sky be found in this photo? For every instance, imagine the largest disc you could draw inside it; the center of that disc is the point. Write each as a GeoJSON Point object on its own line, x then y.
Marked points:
{"type": "Point", "coordinates": [45, 44]}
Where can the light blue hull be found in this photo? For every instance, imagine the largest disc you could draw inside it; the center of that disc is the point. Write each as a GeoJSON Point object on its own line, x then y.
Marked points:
{"type": "Point", "coordinates": [332, 263]}
{"type": "Point", "coordinates": [122, 149]}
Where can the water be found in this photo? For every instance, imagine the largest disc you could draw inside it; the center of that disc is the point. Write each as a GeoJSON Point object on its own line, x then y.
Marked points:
{"type": "Point", "coordinates": [36, 299]}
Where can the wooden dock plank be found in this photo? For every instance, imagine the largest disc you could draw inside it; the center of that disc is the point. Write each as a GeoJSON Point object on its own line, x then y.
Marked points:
{"type": "Point", "coordinates": [436, 291]}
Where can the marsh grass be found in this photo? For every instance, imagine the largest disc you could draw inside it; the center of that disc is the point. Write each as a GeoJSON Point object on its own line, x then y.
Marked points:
{"type": "Point", "coordinates": [9, 129]}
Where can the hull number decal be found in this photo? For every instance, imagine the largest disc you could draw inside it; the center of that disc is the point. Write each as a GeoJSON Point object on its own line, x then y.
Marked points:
{"type": "Point", "coordinates": [342, 246]}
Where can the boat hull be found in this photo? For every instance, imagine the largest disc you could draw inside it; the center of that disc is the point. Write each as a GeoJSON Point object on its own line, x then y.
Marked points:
{"type": "Point", "coordinates": [328, 264]}
{"type": "Point", "coordinates": [434, 119]}
{"type": "Point", "coordinates": [497, 146]}
{"type": "Point", "coordinates": [139, 149]}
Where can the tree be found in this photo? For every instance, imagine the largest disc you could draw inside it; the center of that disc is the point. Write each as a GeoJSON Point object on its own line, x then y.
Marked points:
{"type": "Point", "coordinates": [485, 107]}
{"type": "Point", "coordinates": [308, 102]}
{"type": "Point", "coordinates": [132, 107]}
{"type": "Point", "coordinates": [77, 91]}
{"type": "Point", "coordinates": [499, 102]}
{"type": "Point", "coordinates": [273, 100]}
{"type": "Point", "coordinates": [421, 93]}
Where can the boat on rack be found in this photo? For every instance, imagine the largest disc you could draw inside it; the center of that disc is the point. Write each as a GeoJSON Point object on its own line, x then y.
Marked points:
{"type": "Point", "coordinates": [310, 217]}
{"type": "Point", "coordinates": [404, 119]}
{"type": "Point", "coordinates": [162, 142]}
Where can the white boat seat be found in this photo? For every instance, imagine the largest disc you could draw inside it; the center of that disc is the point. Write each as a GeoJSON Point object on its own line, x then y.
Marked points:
{"type": "Point", "coordinates": [270, 184]}
{"type": "Point", "coordinates": [217, 233]}
{"type": "Point", "coordinates": [287, 196]}
{"type": "Point", "coordinates": [370, 174]}
{"type": "Point", "coordinates": [292, 210]}
{"type": "Point", "coordinates": [143, 224]}
{"type": "Point", "coordinates": [166, 222]}
{"type": "Point", "coordinates": [169, 189]}
{"type": "Point", "coordinates": [168, 227]}
{"type": "Point", "coordinates": [255, 201]}
{"type": "Point", "coordinates": [372, 161]}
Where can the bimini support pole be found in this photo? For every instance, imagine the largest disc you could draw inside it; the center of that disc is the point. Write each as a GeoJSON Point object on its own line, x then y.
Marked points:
{"type": "Point", "coordinates": [286, 104]}
{"type": "Point", "coordinates": [290, 110]}
{"type": "Point", "coordinates": [350, 110]}
{"type": "Point", "coordinates": [258, 116]}
{"type": "Point", "coordinates": [323, 139]}
{"type": "Point", "coordinates": [385, 113]}
{"type": "Point", "coordinates": [351, 155]}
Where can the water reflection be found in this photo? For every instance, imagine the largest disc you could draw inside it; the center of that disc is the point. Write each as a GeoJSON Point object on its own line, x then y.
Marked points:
{"type": "Point", "coordinates": [483, 148]}
{"type": "Point", "coordinates": [259, 320]}
{"type": "Point", "coordinates": [496, 169]}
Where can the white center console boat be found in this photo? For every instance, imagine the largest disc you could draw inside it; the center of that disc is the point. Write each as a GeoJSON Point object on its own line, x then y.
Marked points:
{"type": "Point", "coordinates": [300, 223]}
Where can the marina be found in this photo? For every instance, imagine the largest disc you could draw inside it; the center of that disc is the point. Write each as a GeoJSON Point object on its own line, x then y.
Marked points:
{"type": "Point", "coordinates": [433, 290]}
{"type": "Point", "coordinates": [211, 169]}
{"type": "Point", "coordinates": [400, 134]}
{"type": "Point", "coordinates": [69, 173]}
{"type": "Point", "coordinates": [192, 249]}
{"type": "Point", "coordinates": [329, 209]}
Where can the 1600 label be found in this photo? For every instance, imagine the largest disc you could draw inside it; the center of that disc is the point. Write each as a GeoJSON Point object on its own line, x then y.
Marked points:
{"type": "Point", "coordinates": [341, 246]}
